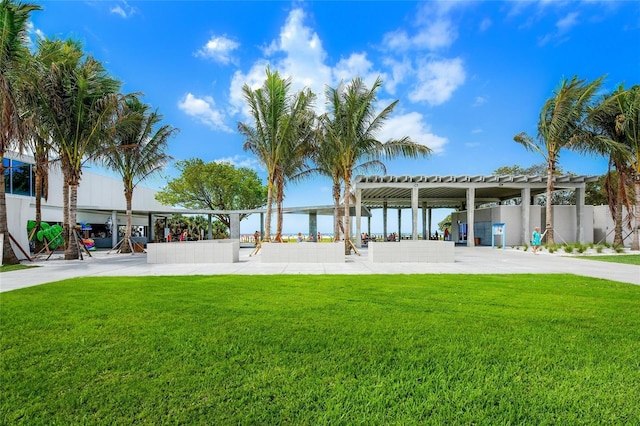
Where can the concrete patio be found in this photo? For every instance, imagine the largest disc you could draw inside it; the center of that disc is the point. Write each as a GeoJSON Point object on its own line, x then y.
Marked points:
{"type": "Point", "coordinates": [468, 260]}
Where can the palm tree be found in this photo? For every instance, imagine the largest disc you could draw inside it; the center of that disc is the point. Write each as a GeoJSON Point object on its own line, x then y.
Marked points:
{"type": "Point", "coordinates": [628, 125]}
{"type": "Point", "coordinates": [351, 128]}
{"type": "Point", "coordinates": [559, 126]}
{"type": "Point", "coordinates": [278, 127]}
{"type": "Point", "coordinates": [606, 119]}
{"type": "Point", "coordinates": [79, 101]}
{"type": "Point", "coordinates": [137, 150]}
{"type": "Point", "coordinates": [327, 162]}
{"type": "Point", "coordinates": [13, 57]}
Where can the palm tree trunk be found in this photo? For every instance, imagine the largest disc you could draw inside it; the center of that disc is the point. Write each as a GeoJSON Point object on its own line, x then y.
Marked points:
{"type": "Point", "coordinates": [38, 194]}
{"type": "Point", "coordinates": [267, 215]}
{"type": "Point", "coordinates": [72, 251]}
{"type": "Point", "coordinates": [279, 201]}
{"type": "Point", "coordinates": [336, 211]}
{"type": "Point", "coordinates": [347, 222]}
{"type": "Point", "coordinates": [617, 217]}
{"type": "Point", "coordinates": [635, 245]}
{"type": "Point", "coordinates": [8, 255]}
{"type": "Point", "coordinates": [551, 168]}
{"type": "Point", "coordinates": [65, 207]}
{"type": "Point", "coordinates": [126, 247]}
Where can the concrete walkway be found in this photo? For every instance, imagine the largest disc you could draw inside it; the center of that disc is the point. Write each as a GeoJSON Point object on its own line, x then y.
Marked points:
{"type": "Point", "coordinates": [469, 260]}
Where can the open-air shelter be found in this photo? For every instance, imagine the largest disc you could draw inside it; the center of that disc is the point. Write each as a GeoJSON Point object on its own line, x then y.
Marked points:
{"type": "Point", "coordinates": [459, 192]}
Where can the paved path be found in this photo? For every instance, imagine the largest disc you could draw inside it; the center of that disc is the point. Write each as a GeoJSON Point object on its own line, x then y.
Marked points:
{"type": "Point", "coordinates": [468, 260]}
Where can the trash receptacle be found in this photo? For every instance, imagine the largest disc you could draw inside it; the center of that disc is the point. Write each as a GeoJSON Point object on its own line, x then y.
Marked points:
{"type": "Point", "coordinates": [476, 241]}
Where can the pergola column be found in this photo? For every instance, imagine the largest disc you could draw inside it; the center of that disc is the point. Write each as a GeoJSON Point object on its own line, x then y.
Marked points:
{"type": "Point", "coordinates": [580, 194]}
{"type": "Point", "coordinates": [384, 220]}
{"type": "Point", "coordinates": [313, 224]}
{"type": "Point", "coordinates": [358, 217]}
{"type": "Point", "coordinates": [114, 228]}
{"type": "Point", "coordinates": [471, 207]}
{"type": "Point", "coordinates": [209, 227]}
{"type": "Point", "coordinates": [424, 221]}
{"type": "Point", "coordinates": [234, 226]}
{"type": "Point", "coordinates": [414, 212]}
{"type": "Point", "coordinates": [399, 224]}
{"type": "Point", "coordinates": [525, 194]}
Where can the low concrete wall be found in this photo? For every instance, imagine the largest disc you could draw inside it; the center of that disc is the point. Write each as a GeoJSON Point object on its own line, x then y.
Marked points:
{"type": "Point", "coordinates": [205, 251]}
{"type": "Point", "coordinates": [423, 251]}
{"type": "Point", "coordinates": [303, 252]}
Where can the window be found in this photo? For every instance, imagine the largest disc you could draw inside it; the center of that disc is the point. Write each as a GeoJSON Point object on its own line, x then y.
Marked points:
{"type": "Point", "coordinates": [19, 177]}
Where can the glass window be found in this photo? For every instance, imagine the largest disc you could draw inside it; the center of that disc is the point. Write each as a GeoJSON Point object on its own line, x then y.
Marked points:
{"type": "Point", "coordinates": [7, 175]}
{"type": "Point", "coordinates": [21, 176]}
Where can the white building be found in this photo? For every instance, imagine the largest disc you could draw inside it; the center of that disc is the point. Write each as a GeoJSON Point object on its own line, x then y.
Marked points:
{"type": "Point", "coordinates": [101, 203]}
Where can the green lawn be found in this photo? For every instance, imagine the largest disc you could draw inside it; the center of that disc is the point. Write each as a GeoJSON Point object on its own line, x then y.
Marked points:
{"type": "Point", "coordinates": [628, 259]}
{"type": "Point", "coordinates": [397, 349]}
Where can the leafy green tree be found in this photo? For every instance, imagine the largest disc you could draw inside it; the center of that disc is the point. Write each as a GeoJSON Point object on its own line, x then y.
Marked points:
{"type": "Point", "coordinates": [280, 123]}
{"type": "Point", "coordinates": [351, 127]}
{"type": "Point", "coordinates": [559, 127]}
{"type": "Point", "coordinates": [14, 55]}
{"type": "Point", "coordinates": [214, 186]}
{"type": "Point", "coordinates": [534, 170]}
{"type": "Point", "coordinates": [137, 150]}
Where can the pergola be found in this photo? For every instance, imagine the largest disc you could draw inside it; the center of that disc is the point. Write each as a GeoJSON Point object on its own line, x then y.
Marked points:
{"type": "Point", "coordinates": [460, 192]}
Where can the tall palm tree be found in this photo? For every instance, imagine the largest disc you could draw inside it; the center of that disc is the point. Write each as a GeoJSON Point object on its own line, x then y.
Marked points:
{"type": "Point", "coordinates": [352, 127]}
{"type": "Point", "coordinates": [79, 100]}
{"type": "Point", "coordinates": [327, 162]}
{"type": "Point", "coordinates": [561, 119]}
{"type": "Point", "coordinates": [298, 150]}
{"type": "Point", "coordinates": [137, 150]}
{"type": "Point", "coordinates": [606, 118]}
{"type": "Point", "coordinates": [278, 126]}
{"type": "Point", "coordinates": [14, 54]}
{"type": "Point", "coordinates": [628, 124]}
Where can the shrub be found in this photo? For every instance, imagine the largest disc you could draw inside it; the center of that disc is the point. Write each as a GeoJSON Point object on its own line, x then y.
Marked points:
{"type": "Point", "coordinates": [599, 249]}
{"type": "Point", "coordinates": [568, 248]}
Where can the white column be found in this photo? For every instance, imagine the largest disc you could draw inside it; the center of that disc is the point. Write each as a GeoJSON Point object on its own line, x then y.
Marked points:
{"type": "Point", "coordinates": [414, 212]}
{"type": "Point", "coordinates": [580, 193]}
{"type": "Point", "coordinates": [358, 217]}
{"type": "Point", "coordinates": [471, 207]}
{"type": "Point", "coordinates": [114, 228]}
{"type": "Point", "coordinates": [384, 220]}
{"type": "Point", "coordinates": [424, 221]}
{"type": "Point", "coordinates": [526, 214]}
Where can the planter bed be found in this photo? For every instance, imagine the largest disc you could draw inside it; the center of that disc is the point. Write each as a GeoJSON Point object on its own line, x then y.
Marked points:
{"type": "Point", "coordinates": [205, 251]}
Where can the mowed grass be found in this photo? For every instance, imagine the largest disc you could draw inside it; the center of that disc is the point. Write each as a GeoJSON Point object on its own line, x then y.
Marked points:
{"type": "Point", "coordinates": [397, 349]}
{"type": "Point", "coordinates": [627, 259]}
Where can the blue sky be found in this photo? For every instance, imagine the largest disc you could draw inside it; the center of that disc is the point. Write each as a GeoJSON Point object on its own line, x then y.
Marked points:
{"type": "Point", "coordinates": [468, 75]}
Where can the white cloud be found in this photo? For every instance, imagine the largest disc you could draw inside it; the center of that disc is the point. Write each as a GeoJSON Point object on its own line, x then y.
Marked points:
{"type": "Point", "coordinates": [485, 24]}
{"type": "Point", "coordinates": [479, 101]}
{"type": "Point", "coordinates": [568, 22]}
{"type": "Point", "coordinates": [296, 54]}
{"type": "Point", "coordinates": [437, 80]}
{"type": "Point", "coordinates": [123, 9]}
{"type": "Point", "coordinates": [220, 49]}
{"type": "Point", "coordinates": [242, 161]}
{"type": "Point", "coordinates": [413, 126]}
{"type": "Point", "coordinates": [203, 110]}
{"type": "Point", "coordinates": [437, 35]}
{"type": "Point", "coordinates": [433, 36]}
{"type": "Point", "coordinates": [399, 71]}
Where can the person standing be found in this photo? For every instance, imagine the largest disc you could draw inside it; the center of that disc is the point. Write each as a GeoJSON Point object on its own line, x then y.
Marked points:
{"type": "Point", "coordinates": [535, 239]}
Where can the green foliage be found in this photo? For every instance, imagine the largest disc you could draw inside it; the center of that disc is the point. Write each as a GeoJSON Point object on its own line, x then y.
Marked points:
{"type": "Point", "coordinates": [214, 186]}
{"type": "Point", "coordinates": [534, 170]}
{"type": "Point", "coordinates": [52, 233]}
{"type": "Point", "coordinates": [568, 248]}
{"type": "Point", "coordinates": [395, 349]}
